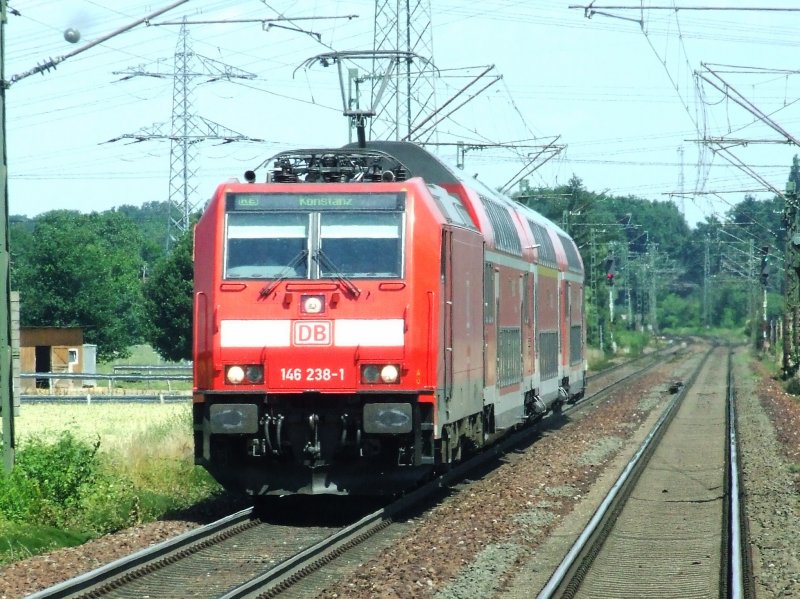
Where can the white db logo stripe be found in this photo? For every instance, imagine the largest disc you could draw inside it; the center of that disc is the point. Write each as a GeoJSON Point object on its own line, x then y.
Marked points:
{"type": "Point", "coordinates": [369, 333]}
{"type": "Point", "coordinates": [339, 333]}
{"type": "Point", "coordinates": [310, 332]}
{"type": "Point", "coordinates": [254, 333]}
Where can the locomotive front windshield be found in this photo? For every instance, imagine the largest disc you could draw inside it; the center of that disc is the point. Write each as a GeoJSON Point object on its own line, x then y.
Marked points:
{"type": "Point", "coordinates": [314, 236]}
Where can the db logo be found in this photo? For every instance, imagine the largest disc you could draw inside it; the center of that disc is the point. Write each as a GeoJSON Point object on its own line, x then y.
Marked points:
{"type": "Point", "coordinates": [308, 332]}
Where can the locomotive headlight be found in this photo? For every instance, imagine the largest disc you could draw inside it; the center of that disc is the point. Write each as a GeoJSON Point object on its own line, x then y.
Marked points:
{"type": "Point", "coordinates": [380, 373]}
{"type": "Point", "coordinates": [370, 373]}
{"type": "Point", "coordinates": [235, 375]}
{"type": "Point", "coordinates": [390, 373]}
{"type": "Point", "coordinates": [252, 373]}
{"type": "Point", "coordinates": [312, 304]}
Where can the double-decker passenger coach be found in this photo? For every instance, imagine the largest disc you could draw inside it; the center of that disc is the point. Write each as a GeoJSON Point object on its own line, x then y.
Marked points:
{"type": "Point", "coordinates": [366, 315]}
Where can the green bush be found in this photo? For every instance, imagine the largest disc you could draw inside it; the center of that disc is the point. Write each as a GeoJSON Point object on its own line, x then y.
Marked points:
{"type": "Point", "coordinates": [632, 342]}
{"type": "Point", "coordinates": [20, 498]}
{"type": "Point", "coordinates": [48, 480]}
{"type": "Point", "coordinates": [793, 386]}
{"type": "Point", "coordinates": [109, 506]}
{"type": "Point", "coordinates": [62, 490]}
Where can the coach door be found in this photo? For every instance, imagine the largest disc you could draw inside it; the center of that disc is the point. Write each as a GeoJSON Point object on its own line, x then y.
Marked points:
{"type": "Point", "coordinates": [462, 331]}
{"type": "Point", "coordinates": [528, 334]}
{"type": "Point", "coordinates": [447, 313]}
{"type": "Point", "coordinates": [567, 341]}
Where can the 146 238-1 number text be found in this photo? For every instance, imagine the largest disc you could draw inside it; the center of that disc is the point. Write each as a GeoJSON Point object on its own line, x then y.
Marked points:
{"type": "Point", "coordinates": [312, 374]}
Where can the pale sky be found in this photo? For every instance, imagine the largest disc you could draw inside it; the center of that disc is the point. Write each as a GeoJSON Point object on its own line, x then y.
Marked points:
{"type": "Point", "coordinates": [623, 97]}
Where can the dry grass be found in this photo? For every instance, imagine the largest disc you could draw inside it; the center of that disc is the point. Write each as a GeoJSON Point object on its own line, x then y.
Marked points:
{"type": "Point", "coordinates": [121, 427]}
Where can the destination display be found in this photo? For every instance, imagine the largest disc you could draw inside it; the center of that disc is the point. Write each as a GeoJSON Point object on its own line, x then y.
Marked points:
{"type": "Point", "coordinates": [238, 202]}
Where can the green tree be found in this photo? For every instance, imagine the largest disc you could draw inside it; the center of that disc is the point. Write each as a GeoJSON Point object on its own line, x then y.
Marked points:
{"type": "Point", "coordinates": [168, 301]}
{"type": "Point", "coordinates": [794, 173]}
{"type": "Point", "coordinates": [678, 312]}
{"type": "Point", "coordinates": [20, 234]}
{"type": "Point", "coordinates": [84, 270]}
{"type": "Point", "coordinates": [151, 218]}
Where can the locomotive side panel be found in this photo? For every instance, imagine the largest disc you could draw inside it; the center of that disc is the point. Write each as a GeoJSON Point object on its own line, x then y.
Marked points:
{"type": "Point", "coordinates": [206, 248]}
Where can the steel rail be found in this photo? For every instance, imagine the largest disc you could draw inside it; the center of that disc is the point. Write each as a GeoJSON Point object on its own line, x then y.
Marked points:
{"type": "Point", "coordinates": [150, 556]}
{"type": "Point", "coordinates": [663, 351]}
{"type": "Point", "coordinates": [736, 588]}
{"type": "Point", "coordinates": [577, 553]}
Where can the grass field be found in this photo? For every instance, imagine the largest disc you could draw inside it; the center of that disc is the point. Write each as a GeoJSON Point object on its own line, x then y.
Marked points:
{"type": "Point", "coordinates": [118, 426]}
{"type": "Point", "coordinates": [140, 355]}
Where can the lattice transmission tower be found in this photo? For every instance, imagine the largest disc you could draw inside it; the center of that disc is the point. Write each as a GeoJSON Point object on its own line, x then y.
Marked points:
{"type": "Point", "coordinates": [186, 128]}
{"type": "Point", "coordinates": [403, 26]}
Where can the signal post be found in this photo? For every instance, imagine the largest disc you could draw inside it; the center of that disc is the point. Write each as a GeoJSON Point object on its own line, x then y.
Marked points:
{"type": "Point", "coordinates": [609, 264]}
{"type": "Point", "coordinates": [6, 382]}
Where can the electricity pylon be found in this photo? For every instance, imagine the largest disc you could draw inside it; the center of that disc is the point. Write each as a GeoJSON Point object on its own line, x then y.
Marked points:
{"type": "Point", "coordinates": [403, 27]}
{"type": "Point", "coordinates": [186, 128]}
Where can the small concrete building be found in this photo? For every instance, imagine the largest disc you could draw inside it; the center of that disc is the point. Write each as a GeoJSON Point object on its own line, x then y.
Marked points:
{"type": "Point", "coordinates": [51, 349]}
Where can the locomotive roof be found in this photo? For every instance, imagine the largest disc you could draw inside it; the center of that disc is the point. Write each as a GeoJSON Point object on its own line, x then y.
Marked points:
{"type": "Point", "coordinates": [417, 160]}
{"type": "Point", "coordinates": [421, 163]}
{"type": "Point", "coordinates": [404, 159]}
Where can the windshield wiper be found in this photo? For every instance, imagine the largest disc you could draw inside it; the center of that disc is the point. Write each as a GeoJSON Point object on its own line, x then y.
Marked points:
{"type": "Point", "coordinates": [269, 288]}
{"type": "Point", "coordinates": [325, 262]}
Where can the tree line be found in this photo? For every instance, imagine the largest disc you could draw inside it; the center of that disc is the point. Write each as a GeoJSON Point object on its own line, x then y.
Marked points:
{"type": "Point", "coordinates": [111, 274]}
{"type": "Point", "coordinates": [667, 275]}
{"type": "Point", "coordinates": [108, 273]}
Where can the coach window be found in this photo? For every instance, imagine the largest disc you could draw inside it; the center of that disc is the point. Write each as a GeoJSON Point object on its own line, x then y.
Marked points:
{"type": "Point", "coordinates": [265, 246]}
{"type": "Point", "coordinates": [360, 244]}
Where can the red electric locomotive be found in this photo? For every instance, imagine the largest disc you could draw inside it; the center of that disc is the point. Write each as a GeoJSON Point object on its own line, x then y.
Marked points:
{"type": "Point", "coordinates": [367, 314]}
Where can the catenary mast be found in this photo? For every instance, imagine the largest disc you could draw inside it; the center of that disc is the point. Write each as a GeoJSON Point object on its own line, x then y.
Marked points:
{"type": "Point", "coordinates": [403, 26]}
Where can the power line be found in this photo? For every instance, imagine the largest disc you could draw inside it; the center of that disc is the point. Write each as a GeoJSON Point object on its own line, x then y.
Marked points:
{"type": "Point", "coordinates": [592, 8]}
{"type": "Point", "coordinates": [186, 128]}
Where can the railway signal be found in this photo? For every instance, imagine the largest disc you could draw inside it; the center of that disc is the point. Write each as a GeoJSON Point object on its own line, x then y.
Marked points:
{"type": "Point", "coordinates": [609, 266]}
{"type": "Point", "coordinates": [764, 265]}
{"type": "Point", "coordinates": [764, 279]}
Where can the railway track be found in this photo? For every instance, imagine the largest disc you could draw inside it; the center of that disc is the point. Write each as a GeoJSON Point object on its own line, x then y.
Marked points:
{"type": "Point", "coordinates": [670, 525]}
{"type": "Point", "coordinates": [213, 559]}
{"type": "Point", "coordinates": [248, 555]}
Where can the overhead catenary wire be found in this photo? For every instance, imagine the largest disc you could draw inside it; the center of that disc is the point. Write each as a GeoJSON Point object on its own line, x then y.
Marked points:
{"type": "Point", "coordinates": [270, 57]}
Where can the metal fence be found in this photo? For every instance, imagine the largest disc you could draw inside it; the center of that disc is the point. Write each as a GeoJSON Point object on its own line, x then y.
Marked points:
{"type": "Point", "coordinates": [88, 398]}
{"type": "Point", "coordinates": [73, 395]}
{"type": "Point", "coordinates": [152, 369]}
